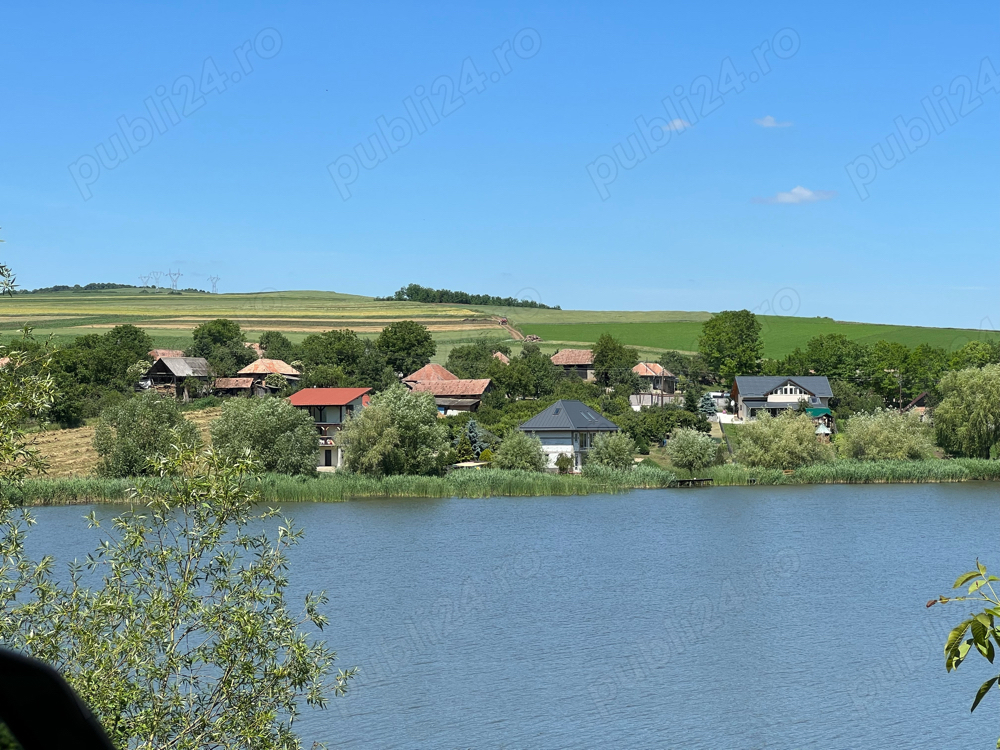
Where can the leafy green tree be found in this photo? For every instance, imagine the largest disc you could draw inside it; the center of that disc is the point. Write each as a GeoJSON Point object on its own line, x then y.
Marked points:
{"type": "Point", "coordinates": [137, 430]}
{"type": "Point", "coordinates": [520, 451]}
{"type": "Point", "coordinates": [342, 348]}
{"type": "Point", "coordinates": [181, 635]}
{"type": "Point", "coordinates": [277, 346]}
{"type": "Point", "coordinates": [397, 433]}
{"type": "Point", "coordinates": [363, 364]}
{"type": "Point", "coordinates": [975, 354]}
{"type": "Point", "coordinates": [731, 345]}
{"type": "Point", "coordinates": [276, 381]}
{"type": "Point", "coordinates": [852, 398]}
{"type": "Point", "coordinates": [885, 435]}
{"type": "Point", "coordinates": [967, 421]}
{"type": "Point", "coordinates": [407, 345]}
{"type": "Point", "coordinates": [223, 344]}
{"type": "Point", "coordinates": [981, 626]}
{"type": "Point", "coordinates": [616, 450]}
{"type": "Point", "coordinates": [652, 424]}
{"type": "Point", "coordinates": [474, 360]}
{"type": "Point", "coordinates": [324, 376]}
{"type": "Point", "coordinates": [787, 441]}
{"type": "Point", "coordinates": [219, 332]}
{"type": "Point", "coordinates": [613, 363]}
{"type": "Point", "coordinates": [281, 437]}
{"type": "Point", "coordinates": [691, 450]}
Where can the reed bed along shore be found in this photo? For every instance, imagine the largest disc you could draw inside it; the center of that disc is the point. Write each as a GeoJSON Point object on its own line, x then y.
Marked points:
{"type": "Point", "coordinates": [343, 486]}
{"type": "Point", "coordinates": [497, 483]}
{"type": "Point", "coordinates": [859, 472]}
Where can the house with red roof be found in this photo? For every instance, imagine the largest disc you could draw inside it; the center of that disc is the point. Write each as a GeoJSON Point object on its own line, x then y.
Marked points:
{"type": "Point", "coordinates": [330, 408]}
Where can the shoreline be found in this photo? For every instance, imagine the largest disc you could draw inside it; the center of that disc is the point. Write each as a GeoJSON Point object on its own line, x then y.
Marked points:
{"type": "Point", "coordinates": [472, 483]}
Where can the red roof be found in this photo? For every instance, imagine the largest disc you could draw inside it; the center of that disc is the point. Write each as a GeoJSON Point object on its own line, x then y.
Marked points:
{"type": "Point", "coordinates": [651, 369]}
{"type": "Point", "coordinates": [327, 396]}
{"type": "Point", "coordinates": [452, 387]}
{"type": "Point", "coordinates": [573, 357]}
{"type": "Point", "coordinates": [433, 371]}
{"type": "Point", "coordinates": [502, 357]}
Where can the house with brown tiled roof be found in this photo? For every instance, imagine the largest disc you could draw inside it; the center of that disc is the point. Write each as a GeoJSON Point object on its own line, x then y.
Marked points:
{"type": "Point", "coordinates": [432, 371]}
{"type": "Point", "coordinates": [502, 357]}
{"type": "Point", "coordinates": [453, 396]}
{"type": "Point", "coordinates": [263, 367]}
{"type": "Point", "coordinates": [657, 376]}
{"type": "Point", "coordinates": [579, 362]}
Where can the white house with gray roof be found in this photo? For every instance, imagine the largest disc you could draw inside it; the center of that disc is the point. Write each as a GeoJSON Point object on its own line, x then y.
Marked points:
{"type": "Point", "coordinates": [753, 394]}
{"type": "Point", "coordinates": [567, 427]}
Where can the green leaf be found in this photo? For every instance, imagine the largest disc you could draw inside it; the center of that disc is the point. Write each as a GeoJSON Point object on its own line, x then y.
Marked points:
{"type": "Point", "coordinates": [983, 690]}
{"type": "Point", "coordinates": [956, 635]}
{"type": "Point", "coordinates": [976, 585]}
{"type": "Point", "coordinates": [980, 633]}
{"type": "Point", "coordinates": [965, 578]}
{"type": "Point", "coordinates": [982, 568]}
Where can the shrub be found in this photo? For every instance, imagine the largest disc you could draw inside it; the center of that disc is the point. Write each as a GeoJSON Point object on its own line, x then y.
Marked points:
{"type": "Point", "coordinates": [783, 442]}
{"type": "Point", "coordinates": [398, 433]}
{"type": "Point", "coordinates": [133, 432]}
{"type": "Point", "coordinates": [520, 450]}
{"type": "Point", "coordinates": [564, 462]}
{"type": "Point", "coordinates": [691, 450]}
{"type": "Point", "coordinates": [282, 438]}
{"type": "Point", "coordinates": [182, 633]}
{"type": "Point", "coordinates": [615, 450]}
{"type": "Point", "coordinates": [486, 455]}
{"type": "Point", "coordinates": [885, 435]}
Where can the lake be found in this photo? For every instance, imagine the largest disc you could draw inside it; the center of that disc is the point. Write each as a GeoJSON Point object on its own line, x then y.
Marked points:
{"type": "Point", "coordinates": [771, 617]}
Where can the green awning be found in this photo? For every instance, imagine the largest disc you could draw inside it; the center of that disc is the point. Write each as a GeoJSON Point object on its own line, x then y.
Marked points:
{"type": "Point", "coordinates": [819, 411]}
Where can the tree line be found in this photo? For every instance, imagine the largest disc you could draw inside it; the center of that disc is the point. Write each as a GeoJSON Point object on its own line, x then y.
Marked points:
{"type": "Point", "coordinates": [417, 293]}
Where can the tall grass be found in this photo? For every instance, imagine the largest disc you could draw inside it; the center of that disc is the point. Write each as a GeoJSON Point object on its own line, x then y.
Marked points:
{"type": "Point", "coordinates": [498, 483]}
{"type": "Point", "coordinates": [344, 486]}
{"type": "Point", "coordinates": [860, 472]}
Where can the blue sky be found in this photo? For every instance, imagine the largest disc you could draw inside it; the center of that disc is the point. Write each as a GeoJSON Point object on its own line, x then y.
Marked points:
{"type": "Point", "coordinates": [752, 199]}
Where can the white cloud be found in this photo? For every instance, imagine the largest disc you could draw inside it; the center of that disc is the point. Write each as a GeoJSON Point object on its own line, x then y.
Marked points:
{"type": "Point", "coordinates": [677, 124]}
{"type": "Point", "coordinates": [770, 122]}
{"type": "Point", "coordinates": [798, 194]}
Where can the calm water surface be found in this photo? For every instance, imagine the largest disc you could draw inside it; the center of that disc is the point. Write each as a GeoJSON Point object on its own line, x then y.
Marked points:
{"type": "Point", "coordinates": [717, 618]}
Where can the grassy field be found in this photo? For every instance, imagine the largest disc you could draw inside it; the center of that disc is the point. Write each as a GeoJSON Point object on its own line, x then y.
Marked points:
{"type": "Point", "coordinates": [781, 334]}
{"type": "Point", "coordinates": [70, 453]}
{"type": "Point", "coordinates": [169, 319]}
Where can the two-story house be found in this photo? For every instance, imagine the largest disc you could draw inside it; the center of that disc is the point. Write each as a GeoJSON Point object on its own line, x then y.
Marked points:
{"type": "Point", "coordinates": [753, 394]}
{"type": "Point", "coordinates": [330, 408]}
{"type": "Point", "coordinates": [569, 427]}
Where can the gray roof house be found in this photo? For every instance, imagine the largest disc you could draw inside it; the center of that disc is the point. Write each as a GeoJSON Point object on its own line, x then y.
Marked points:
{"type": "Point", "coordinates": [567, 427]}
{"type": "Point", "coordinates": [774, 393]}
{"type": "Point", "coordinates": [170, 373]}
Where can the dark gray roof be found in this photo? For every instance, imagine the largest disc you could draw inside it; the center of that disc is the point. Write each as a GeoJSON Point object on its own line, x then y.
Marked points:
{"type": "Point", "coordinates": [184, 367]}
{"type": "Point", "coordinates": [568, 415]}
{"type": "Point", "coordinates": [757, 386]}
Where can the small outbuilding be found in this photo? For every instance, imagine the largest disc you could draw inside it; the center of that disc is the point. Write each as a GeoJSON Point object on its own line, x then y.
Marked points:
{"type": "Point", "coordinates": [168, 374]}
